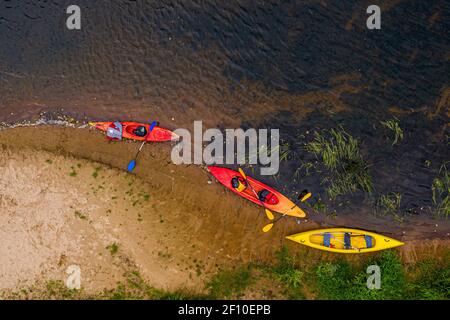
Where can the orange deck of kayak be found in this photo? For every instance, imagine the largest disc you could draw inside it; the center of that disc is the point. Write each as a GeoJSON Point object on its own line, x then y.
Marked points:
{"type": "Point", "coordinates": [157, 135]}
{"type": "Point", "coordinates": [285, 206]}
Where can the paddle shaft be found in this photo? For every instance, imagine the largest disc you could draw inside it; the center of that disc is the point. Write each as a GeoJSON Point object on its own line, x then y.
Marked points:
{"type": "Point", "coordinates": [150, 129]}
{"type": "Point", "coordinates": [251, 187]}
{"type": "Point", "coordinates": [132, 163]}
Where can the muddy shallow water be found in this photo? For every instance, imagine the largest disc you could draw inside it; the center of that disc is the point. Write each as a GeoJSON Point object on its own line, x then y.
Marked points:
{"type": "Point", "coordinates": [299, 66]}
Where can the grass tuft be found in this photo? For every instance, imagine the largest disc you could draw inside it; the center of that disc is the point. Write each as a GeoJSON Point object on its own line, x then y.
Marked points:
{"type": "Point", "coordinates": [389, 204]}
{"type": "Point", "coordinates": [394, 126]}
{"type": "Point", "coordinates": [441, 193]}
{"type": "Point", "coordinates": [227, 284]}
{"type": "Point", "coordinates": [113, 248]}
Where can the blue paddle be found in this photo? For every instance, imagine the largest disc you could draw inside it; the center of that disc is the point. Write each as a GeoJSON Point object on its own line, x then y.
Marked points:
{"type": "Point", "coordinates": [132, 163]}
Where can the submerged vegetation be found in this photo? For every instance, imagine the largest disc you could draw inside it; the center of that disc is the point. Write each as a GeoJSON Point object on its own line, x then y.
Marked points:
{"type": "Point", "coordinates": [389, 204]}
{"type": "Point", "coordinates": [441, 193]}
{"type": "Point", "coordinates": [394, 126]}
{"type": "Point", "coordinates": [339, 153]}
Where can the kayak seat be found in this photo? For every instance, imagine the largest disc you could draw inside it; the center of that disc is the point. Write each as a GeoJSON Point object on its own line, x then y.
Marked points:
{"type": "Point", "coordinates": [238, 183]}
{"type": "Point", "coordinates": [267, 197]}
{"type": "Point", "coordinates": [327, 239]}
{"type": "Point", "coordinates": [140, 131]}
{"type": "Point", "coordinates": [347, 240]}
{"type": "Point", "coordinates": [369, 243]}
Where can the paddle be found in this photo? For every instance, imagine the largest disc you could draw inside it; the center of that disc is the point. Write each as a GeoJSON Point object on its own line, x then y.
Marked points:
{"type": "Point", "coordinates": [132, 163]}
{"type": "Point", "coordinates": [303, 196]}
{"type": "Point", "coordinates": [269, 213]}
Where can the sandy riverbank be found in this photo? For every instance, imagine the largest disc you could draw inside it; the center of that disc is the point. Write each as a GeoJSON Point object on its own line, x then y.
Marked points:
{"type": "Point", "coordinates": [64, 202]}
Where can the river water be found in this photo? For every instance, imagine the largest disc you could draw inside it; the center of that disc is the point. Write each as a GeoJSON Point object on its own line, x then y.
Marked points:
{"type": "Point", "coordinates": [299, 66]}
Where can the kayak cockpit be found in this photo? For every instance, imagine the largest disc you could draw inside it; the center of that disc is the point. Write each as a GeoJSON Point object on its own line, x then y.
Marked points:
{"type": "Point", "coordinates": [136, 130]}
{"type": "Point", "coordinates": [343, 240]}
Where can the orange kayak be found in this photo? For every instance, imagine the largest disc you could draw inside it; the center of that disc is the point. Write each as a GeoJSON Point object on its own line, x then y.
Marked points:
{"type": "Point", "coordinates": [157, 135]}
{"type": "Point", "coordinates": [283, 205]}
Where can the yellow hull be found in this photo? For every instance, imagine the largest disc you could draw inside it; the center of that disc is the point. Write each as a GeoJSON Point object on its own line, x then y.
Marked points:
{"type": "Point", "coordinates": [360, 241]}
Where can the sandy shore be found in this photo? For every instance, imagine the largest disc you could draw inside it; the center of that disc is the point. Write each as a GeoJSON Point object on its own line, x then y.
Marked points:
{"type": "Point", "coordinates": [64, 202]}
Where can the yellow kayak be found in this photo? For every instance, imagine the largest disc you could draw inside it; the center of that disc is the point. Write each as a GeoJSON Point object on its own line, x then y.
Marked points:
{"type": "Point", "coordinates": [345, 240]}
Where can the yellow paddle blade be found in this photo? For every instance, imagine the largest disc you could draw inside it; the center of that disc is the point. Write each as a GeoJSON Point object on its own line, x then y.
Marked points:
{"type": "Point", "coordinates": [306, 197]}
{"type": "Point", "coordinates": [268, 227]}
{"type": "Point", "coordinates": [242, 173]}
{"type": "Point", "coordinates": [269, 214]}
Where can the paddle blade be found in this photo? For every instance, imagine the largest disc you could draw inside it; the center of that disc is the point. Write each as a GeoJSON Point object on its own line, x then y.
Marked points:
{"type": "Point", "coordinates": [269, 214]}
{"type": "Point", "coordinates": [131, 165]}
{"type": "Point", "coordinates": [152, 125]}
{"type": "Point", "coordinates": [242, 173]}
{"type": "Point", "coordinates": [306, 197]}
{"type": "Point", "coordinates": [267, 227]}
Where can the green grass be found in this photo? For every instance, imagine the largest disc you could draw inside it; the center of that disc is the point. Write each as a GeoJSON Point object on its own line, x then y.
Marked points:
{"type": "Point", "coordinates": [286, 272]}
{"type": "Point", "coordinates": [73, 173]}
{"type": "Point", "coordinates": [441, 193]}
{"type": "Point", "coordinates": [341, 281]}
{"type": "Point", "coordinates": [96, 172]}
{"type": "Point", "coordinates": [339, 152]}
{"type": "Point", "coordinates": [338, 279]}
{"type": "Point", "coordinates": [394, 126]}
{"type": "Point", "coordinates": [227, 284]}
{"type": "Point", "coordinates": [80, 215]}
{"type": "Point", "coordinates": [432, 281]}
{"type": "Point", "coordinates": [113, 248]}
{"type": "Point", "coordinates": [426, 280]}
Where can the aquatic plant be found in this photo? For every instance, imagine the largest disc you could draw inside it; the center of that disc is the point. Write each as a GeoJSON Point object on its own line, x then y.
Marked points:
{"type": "Point", "coordinates": [389, 204]}
{"type": "Point", "coordinates": [394, 126]}
{"type": "Point", "coordinates": [306, 166]}
{"type": "Point", "coordinates": [339, 152]}
{"type": "Point", "coordinates": [318, 206]}
{"type": "Point", "coordinates": [285, 151]}
{"type": "Point", "coordinates": [441, 192]}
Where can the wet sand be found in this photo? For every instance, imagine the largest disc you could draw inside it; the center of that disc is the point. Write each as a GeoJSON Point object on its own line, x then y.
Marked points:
{"type": "Point", "coordinates": [174, 224]}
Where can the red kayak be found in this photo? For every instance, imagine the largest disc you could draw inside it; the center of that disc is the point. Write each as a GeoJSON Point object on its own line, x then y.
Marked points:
{"type": "Point", "coordinates": [273, 200]}
{"type": "Point", "coordinates": [138, 131]}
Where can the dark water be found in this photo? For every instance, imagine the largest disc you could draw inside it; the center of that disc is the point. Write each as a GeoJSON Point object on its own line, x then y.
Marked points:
{"type": "Point", "coordinates": [294, 65]}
